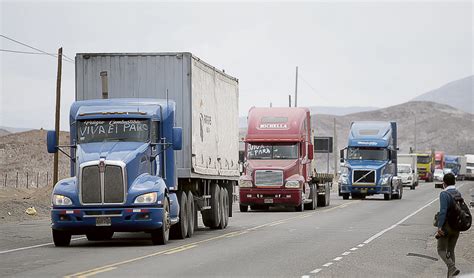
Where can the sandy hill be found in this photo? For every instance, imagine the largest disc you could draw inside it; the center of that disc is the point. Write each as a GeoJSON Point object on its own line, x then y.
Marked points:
{"type": "Point", "coordinates": [458, 94]}
{"type": "Point", "coordinates": [26, 152]}
{"type": "Point", "coordinates": [3, 132]}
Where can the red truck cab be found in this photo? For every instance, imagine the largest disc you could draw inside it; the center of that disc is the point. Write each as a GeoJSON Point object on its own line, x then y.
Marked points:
{"type": "Point", "coordinates": [278, 160]}
{"type": "Point", "coordinates": [439, 160]}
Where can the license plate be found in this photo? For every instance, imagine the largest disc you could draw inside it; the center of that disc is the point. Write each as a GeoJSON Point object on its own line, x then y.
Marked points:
{"type": "Point", "coordinates": [268, 201]}
{"type": "Point", "coordinates": [363, 190]}
{"type": "Point", "coordinates": [103, 221]}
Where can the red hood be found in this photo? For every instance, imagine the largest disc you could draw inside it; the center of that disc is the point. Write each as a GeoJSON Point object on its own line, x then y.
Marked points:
{"type": "Point", "coordinates": [273, 164]}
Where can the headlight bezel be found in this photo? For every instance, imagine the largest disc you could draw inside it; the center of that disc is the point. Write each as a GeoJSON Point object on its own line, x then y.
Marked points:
{"type": "Point", "coordinates": [61, 200]}
{"type": "Point", "coordinates": [244, 183]}
{"type": "Point", "coordinates": [146, 198]}
{"type": "Point", "coordinates": [292, 184]}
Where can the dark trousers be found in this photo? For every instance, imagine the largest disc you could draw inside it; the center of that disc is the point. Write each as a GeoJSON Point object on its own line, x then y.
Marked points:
{"type": "Point", "coordinates": [446, 247]}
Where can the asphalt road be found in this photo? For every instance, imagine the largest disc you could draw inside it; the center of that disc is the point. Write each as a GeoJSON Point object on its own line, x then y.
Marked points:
{"type": "Point", "coordinates": [350, 238]}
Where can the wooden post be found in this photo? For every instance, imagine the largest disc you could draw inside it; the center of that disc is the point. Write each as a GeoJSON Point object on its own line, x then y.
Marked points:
{"type": "Point", "coordinates": [57, 118]}
{"type": "Point", "coordinates": [6, 176]}
{"type": "Point", "coordinates": [16, 179]}
{"type": "Point", "coordinates": [26, 180]}
{"type": "Point", "coordinates": [37, 179]}
{"type": "Point", "coordinates": [47, 178]}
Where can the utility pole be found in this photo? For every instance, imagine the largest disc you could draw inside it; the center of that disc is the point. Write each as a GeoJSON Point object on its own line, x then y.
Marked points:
{"type": "Point", "coordinates": [334, 149]}
{"type": "Point", "coordinates": [415, 132]}
{"type": "Point", "coordinates": [58, 106]}
{"type": "Point", "coordinates": [271, 105]}
{"type": "Point", "coordinates": [289, 100]}
{"type": "Point", "coordinates": [296, 88]}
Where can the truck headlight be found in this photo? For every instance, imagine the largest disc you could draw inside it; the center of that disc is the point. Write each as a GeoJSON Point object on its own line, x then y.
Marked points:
{"type": "Point", "coordinates": [409, 178]}
{"type": "Point", "coordinates": [245, 183]}
{"type": "Point", "coordinates": [60, 200]}
{"type": "Point", "coordinates": [344, 179]}
{"type": "Point", "coordinates": [292, 184]}
{"type": "Point", "coordinates": [384, 181]}
{"type": "Point", "coordinates": [148, 198]}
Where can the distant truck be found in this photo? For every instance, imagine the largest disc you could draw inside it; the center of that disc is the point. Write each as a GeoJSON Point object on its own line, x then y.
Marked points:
{"type": "Point", "coordinates": [370, 161]}
{"type": "Point", "coordinates": [469, 166]}
{"type": "Point", "coordinates": [408, 170]}
{"type": "Point", "coordinates": [439, 160]}
{"type": "Point", "coordinates": [425, 166]}
{"type": "Point", "coordinates": [279, 164]}
{"type": "Point", "coordinates": [150, 153]}
{"type": "Point", "coordinates": [457, 165]}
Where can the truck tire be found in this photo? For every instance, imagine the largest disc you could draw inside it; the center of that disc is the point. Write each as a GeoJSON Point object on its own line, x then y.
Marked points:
{"type": "Point", "coordinates": [61, 238]}
{"type": "Point", "coordinates": [180, 229]}
{"type": "Point", "coordinates": [388, 196]}
{"type": "Point", "coordinates": [313, 204]}
{"type": "Point", "coordinates": [222, 212]}
{"type": "Point", "coordinates": [191, 214]}
{"type": "Point", "coordinates": [225, 209]}
{"type": "Point", "coordinates": [345, 196]}
{"type": "Point", "coordinates": [100, 235]}
{"type": "Point", "coordinates": [300, 207]}
{"type": "Point", "coordinates": [412, 187]}
{"type": "Point", "coordinates": [161, 235]}
{"type": "Point", "coordinates": [243, 208]}
{"type": "Point", "coordinates": [212, 217]}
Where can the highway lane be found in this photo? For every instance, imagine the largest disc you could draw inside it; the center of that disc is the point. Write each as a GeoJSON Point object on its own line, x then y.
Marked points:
{"type": "Point", "coordinates": [276, 243]}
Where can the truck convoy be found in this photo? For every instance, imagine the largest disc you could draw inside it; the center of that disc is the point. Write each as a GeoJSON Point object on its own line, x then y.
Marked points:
{"type": "Point", "coordinates": [469, 166]}
{"type": "Point", "coordinates": [439, 160]}
{"type": "Point", "coordinates": [150, 153]}
{"type": "Point", "coordinates": [279, 167]}
{"type": "Point", "coordinates": [457, 165]}
{"type": "Point", "coordinates": [407, 169]}
{"type": "Point", "coordinates": [370, 161]}
{"type": "Point", "coordinates": [425, 165]}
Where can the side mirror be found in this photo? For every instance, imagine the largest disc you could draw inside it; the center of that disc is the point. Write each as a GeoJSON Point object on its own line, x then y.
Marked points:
{"type": "Point", "coordinates": [310, 151]}
{"type": "Point", "coordinates": [413, 171]}
{"type": "Point", "coordinates": [177, 138]}
{"type": "Point", "coordinates": [341, 155]}
{"type": "Point", "coordinates": [51, 142]}
{"type": "Point", "coordinates": [439, 185]}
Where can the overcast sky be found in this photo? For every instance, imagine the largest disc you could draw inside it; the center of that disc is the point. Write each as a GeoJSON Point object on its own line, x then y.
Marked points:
{"type": "Point", "coordinates": [348, 53]}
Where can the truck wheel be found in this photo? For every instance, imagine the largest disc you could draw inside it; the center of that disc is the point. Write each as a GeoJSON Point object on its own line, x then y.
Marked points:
{"type": "Point", "coordinates": [225, 209]}
{"type": "Point", "coordinates": [101, 235]}
{"type": "Point", "coordinates": [388, 196]}
{"type": "Point", "coordinates": [345, 196]}
{"type": "Point", "coordinates": [191, 213]}
{"type": "Point", "coordinates": [161, 235]}
{"type": "Point", "coordinates": [222, 211]}
{"type": "Point", "coordinates": [300, 207]}
{"type": "Point", "coordinates": [313, 204]}
{"type": "Point", "coordinates": [61, 238]}
{"type": "Point", "coordinates": [212, 217]}
{"type": "Point", "coordinates": [412, 187]}
{"type": "Point", "coordinates": [180, 229]}
{"type": "Point", "coordinates": [243, 208]}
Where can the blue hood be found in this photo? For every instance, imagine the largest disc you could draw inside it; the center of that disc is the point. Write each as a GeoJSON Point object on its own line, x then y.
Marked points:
{"type": "Point", "coordinates": [367, 164]}
{"type": "Point", "coordinates": [118, 151]}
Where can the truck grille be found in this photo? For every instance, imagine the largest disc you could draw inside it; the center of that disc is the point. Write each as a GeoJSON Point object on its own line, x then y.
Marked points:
{"type": "Point", "coordinates": [102, 188]}
{"type": "Point", "coordinates": [268, 177]}
{"type": "Point", "coordinates": [363, 177]}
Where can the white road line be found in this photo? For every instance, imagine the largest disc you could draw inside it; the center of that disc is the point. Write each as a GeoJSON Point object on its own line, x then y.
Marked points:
{"type": "Point", "coordinates": [377, 235]}
{"type": "Point", "coordinates": [353, 249]}
{"type": "Point", "coordinates": [360, 245]}
{"type": "Point", "coordinates": [34, 246]}
{"type": "Point", "coordinates": [327, 265]}
{"type": "Point", "coordinates": [305, 276]}
{"type": "Point", "coordinates": [346, 253]}
{"type": "Point", "coordinates": [316, 270]}
{"type": "Point", "coordinates": [338, 259]}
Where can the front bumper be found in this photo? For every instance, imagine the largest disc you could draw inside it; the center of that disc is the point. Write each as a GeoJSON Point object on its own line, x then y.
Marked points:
{"type": "Point", "coordinates": [368, 189]}
{"type": "Point", "coordinates": [270, 196]}
{"type": "Point", "coordinates": [83, 220]}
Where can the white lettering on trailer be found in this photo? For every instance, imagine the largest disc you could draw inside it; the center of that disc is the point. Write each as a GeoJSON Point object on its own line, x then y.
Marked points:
{"type": "Point", "coordinates": [274, 126]}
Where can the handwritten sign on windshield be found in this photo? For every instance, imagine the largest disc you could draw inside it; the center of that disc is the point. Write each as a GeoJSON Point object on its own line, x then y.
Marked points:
{"type": "Point", "coordinates": [98, 130]}
{"type": "Point", "coordinates": [259, 150]}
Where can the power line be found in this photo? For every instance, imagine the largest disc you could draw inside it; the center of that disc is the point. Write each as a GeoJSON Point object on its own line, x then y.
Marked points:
{"type": "Point", "coordinates": [34, 48]}
{"type": "Point", "coordinates": [21, 52]}
{"type": "Point", "coordinates": [311, 87]}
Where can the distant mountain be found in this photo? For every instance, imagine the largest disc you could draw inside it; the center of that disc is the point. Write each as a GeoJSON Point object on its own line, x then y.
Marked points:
{"type": "Point", "coordinates": [3, 132]}
{"type": "Point", "coordinates": [328, 110]}
{"type": "Point", "coordinates": [458, 94]}
{"type": "Point", "coordinates": [14, 129]}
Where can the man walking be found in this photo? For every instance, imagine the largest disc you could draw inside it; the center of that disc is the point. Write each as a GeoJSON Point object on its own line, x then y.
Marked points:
{"type": "Point", "coordinates": [446, 235]}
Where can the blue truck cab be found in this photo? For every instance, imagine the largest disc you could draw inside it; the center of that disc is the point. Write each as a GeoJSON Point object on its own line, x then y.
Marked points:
{"type": "Point", "coordinates": [369, 162]}
{"type": "Point", "coordinates": [123, 177]}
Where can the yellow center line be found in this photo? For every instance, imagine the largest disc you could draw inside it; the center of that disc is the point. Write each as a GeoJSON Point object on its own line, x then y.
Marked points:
{"type": "Point", "coordinates": [96, 272]}
{"type": "Point", "coordinates": [184, 247]}
{"type": "Point", "coordinates": [180, 249]}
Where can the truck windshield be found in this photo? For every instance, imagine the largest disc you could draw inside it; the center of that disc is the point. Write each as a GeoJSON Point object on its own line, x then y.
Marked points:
{"type": "Point", "coordinates": [451, 165]}
{"type": "Point", "coordinates": [126, 130]}
{"type": "Point", "coordinates": [423, 159]}
{"type": "Point", "coordinates": [272, 151]}
{"type": "Point", "coordinates": [367, 154]}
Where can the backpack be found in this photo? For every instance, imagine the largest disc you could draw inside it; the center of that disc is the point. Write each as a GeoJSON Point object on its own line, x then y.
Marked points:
{"type": "Point", "coordinates": [459, 217]}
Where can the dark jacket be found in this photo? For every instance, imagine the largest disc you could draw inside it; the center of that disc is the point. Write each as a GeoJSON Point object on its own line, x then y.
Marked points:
{"type": "Point", "coordinates": [446, 201]}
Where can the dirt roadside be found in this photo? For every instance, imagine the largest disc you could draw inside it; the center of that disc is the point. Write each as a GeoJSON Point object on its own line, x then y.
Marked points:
{"type": "Point", "coordinates": [14, 202]}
